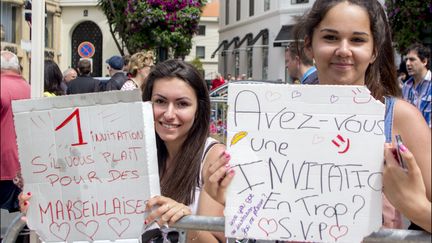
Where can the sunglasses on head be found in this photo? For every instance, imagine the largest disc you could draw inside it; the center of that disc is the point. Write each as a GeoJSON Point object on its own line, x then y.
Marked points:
{"type": "Point", "coordinates": [163, 235]}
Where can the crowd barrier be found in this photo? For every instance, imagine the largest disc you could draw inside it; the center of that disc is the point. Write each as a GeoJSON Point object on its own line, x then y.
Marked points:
{"type": "Point", "coordinates": [204, 223]}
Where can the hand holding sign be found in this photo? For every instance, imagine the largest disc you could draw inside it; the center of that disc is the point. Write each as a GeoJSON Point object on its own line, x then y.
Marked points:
{"type": "Point", "coordinates": [217, 176]}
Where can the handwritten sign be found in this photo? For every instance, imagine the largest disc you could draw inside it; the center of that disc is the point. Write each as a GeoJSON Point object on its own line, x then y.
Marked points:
{"type": "Point", "coordinates": [308, 162]}
{"type": "Point", "coordinates": [90, 162]}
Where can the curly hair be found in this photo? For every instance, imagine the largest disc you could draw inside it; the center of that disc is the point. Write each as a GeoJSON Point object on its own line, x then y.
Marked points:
{"type": "Point", "coordinates": [140, 60]}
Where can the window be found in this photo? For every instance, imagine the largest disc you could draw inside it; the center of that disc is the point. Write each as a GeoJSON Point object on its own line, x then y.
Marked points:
{"type": "Point", "coordinates": [201, 29]}
{"type": "Point", "coordinates": [266, 5]}
{"type": "Point", "coordinates": [227, 3]}
{"type": "Point", "coordinates": [299, 1]}
{"type": "Point", "coordinates": [249, 62]}
{"type": "Point", "coordinates": [251, 7]}
{"type": "Point", "coordinates": [238, 10]}
{"type": "Point", "coordinates": [265, 51]}
{"type": "Point", "coordinates": [200, 52]}
{"type": "Point", "coordinates": [8, 22]}
{"type": "Point", "coordinates": [49, 28]}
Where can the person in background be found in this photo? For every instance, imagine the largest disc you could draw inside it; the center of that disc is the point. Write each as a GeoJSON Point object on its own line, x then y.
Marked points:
{"type": "Point", "coordinates": [84, 83]}
{"type": "Point", "coordinates": [68, 75]}
{"type": "Point", "coordinates": [115, 69]}
{"type": "Point", "coordinates": [217, 81]}
{"type": "Point", "coordinates": [139, 67]}
{"type": "Point", "coordinates": [417, 89]}
{"type": "Point", "coordinates": [299, 65]}
{"type": "Point", "coordinates": [351, 44]}
{"type": "Point", "coordinates": [52, 79]}
{"type": "Point", "coordinates": [229, 77]}
{"type": "Point", "coordinates": [13, 87]}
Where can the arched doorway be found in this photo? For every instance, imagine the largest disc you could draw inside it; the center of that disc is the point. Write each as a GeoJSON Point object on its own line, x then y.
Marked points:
{"type": "Point", "coordinates": [88, 31]}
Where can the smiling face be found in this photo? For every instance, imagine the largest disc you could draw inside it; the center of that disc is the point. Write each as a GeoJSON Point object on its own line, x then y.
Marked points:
{"type": "Point", "coordinates": [174, 108]}
{"type": "Point", "coordinates": [342, 45]}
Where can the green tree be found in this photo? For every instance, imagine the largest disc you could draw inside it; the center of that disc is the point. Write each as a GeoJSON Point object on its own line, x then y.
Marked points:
{"type": "Point", "coordinates": [153, 24]}
{"type": "Point", "coordinates": [411, 21]}
{"type": "Point", "coordinates": [197, 64]}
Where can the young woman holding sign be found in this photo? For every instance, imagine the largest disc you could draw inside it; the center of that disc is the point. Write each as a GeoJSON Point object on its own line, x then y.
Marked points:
{"type": "Point", "coordinates": [350, 41]}
{"type": "Point", "coordinates": [181, 109]}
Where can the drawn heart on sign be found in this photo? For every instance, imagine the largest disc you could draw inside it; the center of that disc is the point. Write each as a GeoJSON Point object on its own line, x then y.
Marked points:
{"type": "Point", "coordinates": [317, 139]}
{"type": "Point", "coordinates": [272, 96]}
{"type": "Point", "coordinates": [268, 225]}
{"type": "Point", "coordinates": [333, 99]}
{"type": "Point", "coordinates": [60, 231]}
{"type": "Point", "coordinates": [295, 94]}
{"type": "Point", "coordinates": [118, 226]}
{"type": "Point", "coordinates": [88, 229]}
{"type": "Point", "coordinates": [337, 231]}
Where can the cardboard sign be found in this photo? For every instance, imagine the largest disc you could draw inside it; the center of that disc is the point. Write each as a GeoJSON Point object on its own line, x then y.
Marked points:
{"type": "Point", "coordinates": [307, 160]}
{"type": "Point", "coordinates": [90, 163]}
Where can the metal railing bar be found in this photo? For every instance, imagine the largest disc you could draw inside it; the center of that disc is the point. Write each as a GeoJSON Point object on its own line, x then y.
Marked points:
{"type": "Point", "coordinates": [398, 236]}
{"type": "Point", "coordinates": [205, 223]}
{"type": "Point", "coordinates": [14, 229]}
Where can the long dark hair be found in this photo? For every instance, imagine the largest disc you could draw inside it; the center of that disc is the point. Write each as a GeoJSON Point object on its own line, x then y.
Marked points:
{"type": "Point", "coordinates": [381, 75]}
{"type": "Point", "coordinates": [179, 183]}
{"type": "Point", "coordinates": [52, 78]}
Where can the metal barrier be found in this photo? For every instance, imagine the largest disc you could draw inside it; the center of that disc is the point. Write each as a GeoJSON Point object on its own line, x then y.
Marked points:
{"type": "Point", "coordinates": [194, 222]}
{"type": "Point", "coordinates": [14, 229]}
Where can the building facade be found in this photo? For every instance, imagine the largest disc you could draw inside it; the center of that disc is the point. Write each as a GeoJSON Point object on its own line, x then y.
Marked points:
{"type": "Point", "coordinates": [206, 39]}
{"type": "Point", "coordinates": [78, 28]}
{"type": "Point", "coordinates": [68, 24]}
{"type": "Point", "coordinates": [253, 35]}
{"type": "Point", "coordinates": [16, 31]}
{"type": "Point", "coordinates": [85, 33]}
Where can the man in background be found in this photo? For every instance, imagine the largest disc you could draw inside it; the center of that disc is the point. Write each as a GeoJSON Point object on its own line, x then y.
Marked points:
{"type": "Point", "coordinates": [417, 89]}
{"type": "Point", "coordinates": [68, 75]}
{"type": "Point", "coordinates": [13, 87]}
{"type": "Point", "coordinates": [115, 69]}
{"type": "Point", "coordinates": [300, 66]}
{"type": "Point", "coordinates": [84, 83]}
{"type": "Point", "coordinates": [217, 81]}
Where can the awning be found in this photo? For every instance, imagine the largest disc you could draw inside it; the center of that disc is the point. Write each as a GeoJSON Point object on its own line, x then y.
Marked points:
{"type": "Point", "coordinates": [284, 37]}
{"type": "Point", "coordinates": [226, 45]}
{"type": "Point", "coordinates": [263, 32]}
{"type": "Point", "coordinates": [223, 43]}
{"type": "Point", "coordinates": [237, 42]}
{"type": "Point", "coordinates": [247, 37]}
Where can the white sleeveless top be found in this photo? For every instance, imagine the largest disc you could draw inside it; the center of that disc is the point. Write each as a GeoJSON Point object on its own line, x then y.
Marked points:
{"type": "Point", "coordinates": [209, 143]}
